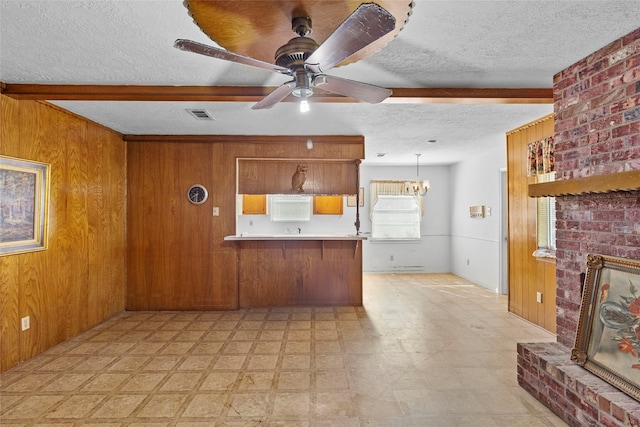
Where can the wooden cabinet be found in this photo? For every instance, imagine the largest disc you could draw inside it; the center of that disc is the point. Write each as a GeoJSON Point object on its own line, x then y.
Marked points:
{"type": "Point", "coordinates": [328, 205]}
{"type": "Point", "coordinates": [322, 177]}
{"type": "Point", "coordinates": [254, 204]}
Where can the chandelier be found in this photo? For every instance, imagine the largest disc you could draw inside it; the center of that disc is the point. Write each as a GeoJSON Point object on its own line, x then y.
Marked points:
{"type": "Point", "coordinates": [417, 187]}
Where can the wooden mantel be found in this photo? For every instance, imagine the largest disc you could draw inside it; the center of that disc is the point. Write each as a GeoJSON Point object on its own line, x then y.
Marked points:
{"type": "Point", "coordinates": [621, 181]}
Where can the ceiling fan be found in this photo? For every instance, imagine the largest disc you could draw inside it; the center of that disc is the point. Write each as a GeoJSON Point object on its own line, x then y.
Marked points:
{"type": "Point", "coordinates": [306, 61]}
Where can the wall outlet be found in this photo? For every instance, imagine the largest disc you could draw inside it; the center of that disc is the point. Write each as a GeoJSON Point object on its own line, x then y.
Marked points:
{"type": "Point", "coordinates": [26, 324]}
{"type": "Point", "coordinates": [216, 211]}
{"type": "Point", "coordinates": [467, 262]}
{"type": "Point", "coordinates": [390, 257]}
{"type": "Point", "coordinates": [539, 297]}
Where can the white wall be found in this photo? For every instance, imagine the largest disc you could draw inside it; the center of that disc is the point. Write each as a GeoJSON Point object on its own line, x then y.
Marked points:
{"type": "Point", "coordinates": [475, 243]}
{"type": "Point", "coordinates": [432, 253]}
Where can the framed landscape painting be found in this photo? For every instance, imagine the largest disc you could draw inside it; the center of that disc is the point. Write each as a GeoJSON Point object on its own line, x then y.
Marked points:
{"type": "Point", "coordinates": [24, 200]}
{"type": "Point", "coordinates": [608, 336]}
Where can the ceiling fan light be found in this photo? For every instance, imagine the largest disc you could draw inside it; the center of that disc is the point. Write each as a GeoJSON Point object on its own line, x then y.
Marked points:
{"type": "Point", "coordinates": [304, 105]}
{"type": "Point", "coordinates": [302, 92]}
{"type": "Point", "coordinates": [303, 85]}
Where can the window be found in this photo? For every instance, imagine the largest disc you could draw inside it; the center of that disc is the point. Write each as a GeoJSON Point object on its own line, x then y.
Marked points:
{"type": "Point", "coordinates": [396, 218]}
{"type": "Point", "coordinates": [546, 220]}
{"type": "Point", "coordinates": [285, 208]}
{"type": "Point", "coordinates": [394, 213]}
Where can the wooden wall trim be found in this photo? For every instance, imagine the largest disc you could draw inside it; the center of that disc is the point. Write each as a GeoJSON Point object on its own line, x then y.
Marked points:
{"type": "Point", "coordinates": [343, 139]}
{"type": "Point", "coordinates": [533, 123]}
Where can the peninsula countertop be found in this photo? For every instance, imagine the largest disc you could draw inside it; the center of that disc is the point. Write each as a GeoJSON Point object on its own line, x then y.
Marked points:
{"type": "Point", "coordinates": [295, 236]}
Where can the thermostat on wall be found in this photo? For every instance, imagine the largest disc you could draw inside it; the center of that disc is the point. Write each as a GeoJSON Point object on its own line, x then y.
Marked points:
{"type": "Point", "coordinates": [476, 211]}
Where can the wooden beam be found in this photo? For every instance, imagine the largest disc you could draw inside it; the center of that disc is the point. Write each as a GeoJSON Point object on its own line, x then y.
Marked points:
{"type": "Point", "coordinates": [621, 181]}
{"type": "Point", "coordinates": [256, 93]}
{"type": "Point", "coordinates": [471, 96]}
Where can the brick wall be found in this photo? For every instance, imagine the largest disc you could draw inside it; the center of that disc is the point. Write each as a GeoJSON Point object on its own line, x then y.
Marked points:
{"type": "Point", "coordinates": [597, 127]}
{"type": "Point", "coordinates": [607, 224]}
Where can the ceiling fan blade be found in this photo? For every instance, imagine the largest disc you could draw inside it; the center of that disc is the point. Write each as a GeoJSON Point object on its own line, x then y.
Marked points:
{"type": "Point", "coordinates": [276, 96]}
{"type": "Point", "coordinates": [365, 25]}
{"type": "Point", "coordinates": [356, 90]}
{"type": "Point", "coordinates": [203, 49]}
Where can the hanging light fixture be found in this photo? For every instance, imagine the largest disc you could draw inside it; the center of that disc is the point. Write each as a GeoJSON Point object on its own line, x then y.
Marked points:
{"type": "Point", "coordinates": [303, 89]}
{"type": "Point", "coordinates": [304, 105]}
{"type": "Point", "coordinates": [417, 187]}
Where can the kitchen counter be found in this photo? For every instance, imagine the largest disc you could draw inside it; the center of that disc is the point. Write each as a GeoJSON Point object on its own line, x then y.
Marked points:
{"type": "Point", "coordinates": [299, 269]}
{"type": "Point", "coordinates": [296, 237]}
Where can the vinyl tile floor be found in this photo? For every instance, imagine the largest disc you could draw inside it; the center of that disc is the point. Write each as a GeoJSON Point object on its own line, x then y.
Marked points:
{"type": "Point", "coordinates": [423, 350]}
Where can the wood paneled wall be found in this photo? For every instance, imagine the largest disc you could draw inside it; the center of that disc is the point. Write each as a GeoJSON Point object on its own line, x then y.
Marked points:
{"type": "Point", "coordinates": [527, 275]}
{"type": "Point", "coordinates": [79, 280]}
{"type": "Point", "coordinates": [176, 254]}
{"type": "Point", "coordinates": [173, 260]}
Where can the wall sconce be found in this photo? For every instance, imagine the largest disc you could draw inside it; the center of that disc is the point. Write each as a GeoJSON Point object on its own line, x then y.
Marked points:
{"type": "Point", "coordinates": [417, 187]}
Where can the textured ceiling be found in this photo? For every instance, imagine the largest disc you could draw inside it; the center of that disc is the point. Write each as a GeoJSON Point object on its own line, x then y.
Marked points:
{"type": "Point", "coordinates": [444, 44]}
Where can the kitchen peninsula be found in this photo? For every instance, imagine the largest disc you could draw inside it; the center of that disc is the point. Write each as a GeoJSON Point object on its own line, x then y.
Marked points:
{"type": "Point", "coordinates": [299, 269]}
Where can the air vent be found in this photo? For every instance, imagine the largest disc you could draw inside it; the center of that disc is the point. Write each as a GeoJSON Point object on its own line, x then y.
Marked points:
{"type": "Point", "coordinates": [199, 114]}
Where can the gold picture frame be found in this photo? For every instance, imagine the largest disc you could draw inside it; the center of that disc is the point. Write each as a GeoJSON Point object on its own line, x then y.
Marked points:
{"type": "Point", "coordinates": [24, 205]}
{"type": "Point", "coordinates": [351, 200]}
{"type": "Point", "coordinates": [608, 336]}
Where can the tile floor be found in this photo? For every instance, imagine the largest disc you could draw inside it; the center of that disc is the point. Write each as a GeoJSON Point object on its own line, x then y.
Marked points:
{"type": "Point", "coordinates": [424, 350]}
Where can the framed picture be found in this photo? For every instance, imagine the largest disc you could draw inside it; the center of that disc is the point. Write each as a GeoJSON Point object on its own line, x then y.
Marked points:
{"type": "Point", "coordinates": [351, 200]}
{"type": "Point", "coordinates": [608, 336]}
{"type": "Point", "coordinates": [24, 201]}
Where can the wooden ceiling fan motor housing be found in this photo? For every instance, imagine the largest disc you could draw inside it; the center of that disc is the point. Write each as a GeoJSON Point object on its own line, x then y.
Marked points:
{"type": "Point", "coordinates": [298, 49]}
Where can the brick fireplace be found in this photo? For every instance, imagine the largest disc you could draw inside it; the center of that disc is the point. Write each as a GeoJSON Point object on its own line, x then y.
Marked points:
{"type": "Point", "coordinates": [597, 132]}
